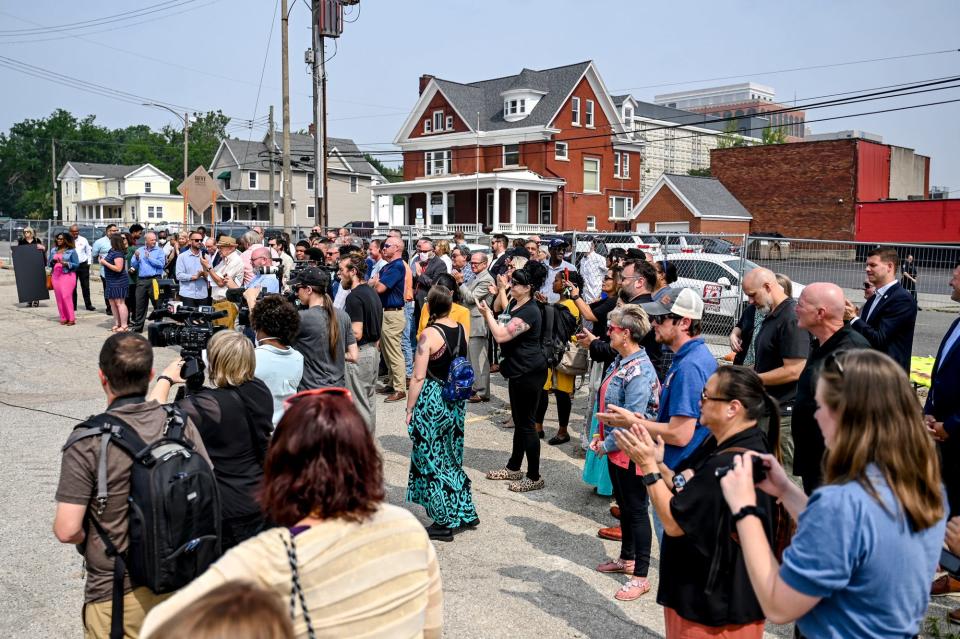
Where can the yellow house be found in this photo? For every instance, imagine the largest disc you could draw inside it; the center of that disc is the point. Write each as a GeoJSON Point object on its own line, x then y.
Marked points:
{"type": "Point", "coordinates": [118, 193]}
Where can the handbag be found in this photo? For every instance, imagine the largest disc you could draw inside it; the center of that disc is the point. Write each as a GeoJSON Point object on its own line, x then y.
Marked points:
{"type": "Point", "coordinates": [49, 281]}
{"type": "Point", "coordinates": [575, 361]}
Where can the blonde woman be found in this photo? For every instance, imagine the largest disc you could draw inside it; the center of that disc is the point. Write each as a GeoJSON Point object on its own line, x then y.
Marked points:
{"type": "Point", "coordinates": [442, 250]}
{"type": "Point", "coordinates": [235, 420]}
{"type": "Point", "coordinates": [868, 540]}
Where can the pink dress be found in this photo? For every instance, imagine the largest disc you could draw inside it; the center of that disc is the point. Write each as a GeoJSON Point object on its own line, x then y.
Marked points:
{"type": "Point", "coordinates": [63, 285]}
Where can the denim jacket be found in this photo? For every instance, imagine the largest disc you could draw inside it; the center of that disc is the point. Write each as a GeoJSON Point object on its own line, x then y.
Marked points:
{"type": "Point", "coordinates": [634, 386]}
{"type": "Point", "coordinates": [70, 260]}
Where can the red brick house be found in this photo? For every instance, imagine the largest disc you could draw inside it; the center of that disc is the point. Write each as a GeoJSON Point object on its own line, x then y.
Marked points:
{"type": "Point", "coordinates": [683, 203]}
{"type": "Point", "coordinates": [537, 151]}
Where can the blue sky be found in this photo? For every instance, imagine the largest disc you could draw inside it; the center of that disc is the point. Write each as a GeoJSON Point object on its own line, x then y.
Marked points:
{"type": "Point", "coordinates": [210, 55]}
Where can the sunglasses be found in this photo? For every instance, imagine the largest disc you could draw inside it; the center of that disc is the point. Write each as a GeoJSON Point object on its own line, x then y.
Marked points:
{"type": "Point", "coordinates": [706, 398]}
{"type": "Point", "coordinates": [833, 362]}
{"type": "Point", "coordinates": [334, 391]}
{"type": "Point", "coordinates": [660, 319]}
{"type": "Point", "coordinates": [611, 328]}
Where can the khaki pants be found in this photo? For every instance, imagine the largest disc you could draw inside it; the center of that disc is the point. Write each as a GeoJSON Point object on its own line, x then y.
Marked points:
{"type": "Point", "coordinates": [786, 447]}
{"type": "Point", "coordinates": [136, 605]}
{"type": "Point", "coordinates": [394, 325]}
{"type": "Point", "coordinates": [361, 380]}
{"type": "Point", "coordinates": [481, 366]}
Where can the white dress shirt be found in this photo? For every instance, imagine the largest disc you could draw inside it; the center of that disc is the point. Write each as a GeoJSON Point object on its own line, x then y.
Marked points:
{"type": "Point", "coordinates": [82, 247]}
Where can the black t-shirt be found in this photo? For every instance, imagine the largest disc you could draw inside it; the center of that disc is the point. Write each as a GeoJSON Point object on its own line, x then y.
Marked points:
{"type": "Point", "coordinates": [363, 305]}
{"type": "Point", "coordinates": [524, 353]}
{"type": "Point", "coordinates": [438, 366]}
{"type": "Point", "coordinates": [235, 426]}
{"type": "Point", "coordinates": [600, 310]}
{"type": "Point", "coordinates": [807, 438]}
{"type": "Point", "coordinates": [707, 551]}
{"type": "Point", "coordinates": [780, 338]}
{"type": "Point", "coordinates": [906, 282]}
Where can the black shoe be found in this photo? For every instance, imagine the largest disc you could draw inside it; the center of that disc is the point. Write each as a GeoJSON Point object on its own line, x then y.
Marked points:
{"type": "Point", "coordinates": [385, 390]}
{"type": "Point", "coordinates": [470, 524]}
{"type": "Point", "coordinates": [108, 313]}
{"type": "Point", "coordinates": [541, 434]}
{"type": "Point", "coordinates": [557, 440]}
{"type": "Point", "coordinates": [439, 533]}
{"type": "Point", "coordinates": [91, 308]}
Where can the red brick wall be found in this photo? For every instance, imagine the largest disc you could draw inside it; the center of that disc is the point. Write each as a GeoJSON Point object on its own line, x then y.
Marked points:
{"type": "Point", "coordinates": [438, 103]}
{"type": "Point", "coordinates": [665, 206]}
{"type": "Point", "coordinates": [794, 189]}
{"type": "Point", "coordinates": [725, 227]}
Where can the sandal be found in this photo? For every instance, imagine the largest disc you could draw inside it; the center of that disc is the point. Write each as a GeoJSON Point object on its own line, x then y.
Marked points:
{"type": "Point", "coordinates": [526, 484]}
{"type": "Point", "coordinates": [556, 440]}
{"type": "Point", "coordinates": [505, 474]}
{"type": "Point", "coordinates": [633, 590]}
{"type": "Point", "coordinates": [613, 566]}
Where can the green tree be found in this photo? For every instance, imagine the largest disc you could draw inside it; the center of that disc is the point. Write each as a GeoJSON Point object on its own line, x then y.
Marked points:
{"type": "Point", "coordinates": [730, 138]}
{"type": "Point", "coordinates": [392, 175]}
{"type": "Point", "coordinates": [704, 172]}
{"type": "Point", "coordinates": [773, 135]}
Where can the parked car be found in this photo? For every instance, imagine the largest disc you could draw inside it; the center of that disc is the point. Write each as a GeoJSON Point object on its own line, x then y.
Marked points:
{"type": "Point", "coordinates": [680, 243]}
{"type": "Point", "coordinates": [716, 278]}
{"type": "Point", "coordinates": [719, 246]}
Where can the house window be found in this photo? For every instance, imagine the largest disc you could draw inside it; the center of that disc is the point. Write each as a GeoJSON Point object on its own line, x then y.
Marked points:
{"type": "Point", "coordinates": [226, 182]}
{"type": "Point", "coordinates": [616, 164]}
{"type": "Point", "coordinates": [449, 123]}
{"type": "Point", "coordinates": [546, 208]}
{"type": "Point", "coordinates": [311, 211]}
{"type": "Point", "coordinates": [588, 114]}
{"type": "Point", "coordinates": [427, 127]}
{"type": "Point", "coordinates": [522, 108]}
{"type": "Point", "coordinates": [311, 181]}
{"type": "Point", "coordinates": [575, 111]}
{"type": "Point", "coordinates": [591, 175]}
{"type": "Point", "coordinates": [147, 187]}
{"type": "Point", "coordinates": [150, 212]}
{"type": "Point", "coordinates": [76, 187]}
{"type": "Point", "coordinates": [511, 154]}
{"type": "Point", "coordinates": [621, 165]}
{"type": "Point", "coordinates": [159, 211]}
{"type": "Point", "coordinates": [620, 207]}
{"type": "Point", "coordinates": [438, 120]}
{"type": "Point", "coordinates": [591, 222]}
{"type": "Point", "coordinates": [560, 151]}
{"type": "Point", "coordinates": [252, 176]}
{"type": "Point", "coordinates": [628, 118]}
{"type": "Point", "coordinates": [437, 162]}
{"type": "Point", "coordinates": [353, 183]}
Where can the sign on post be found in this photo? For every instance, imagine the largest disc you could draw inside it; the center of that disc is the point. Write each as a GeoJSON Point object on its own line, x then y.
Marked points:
{"type": "Point", "coordinates": [200, 191]}
{"type": "Point", "coordinates": [711, 295]}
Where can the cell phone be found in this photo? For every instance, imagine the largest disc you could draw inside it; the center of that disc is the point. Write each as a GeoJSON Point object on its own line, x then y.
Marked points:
{"type": "Point", "coordinates": [950, 562]}
{"type": "Point", "coordinates": [759, 471]}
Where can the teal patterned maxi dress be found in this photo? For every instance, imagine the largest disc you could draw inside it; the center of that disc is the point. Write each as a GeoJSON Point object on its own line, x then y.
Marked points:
{"type": "Point", "coordinates": [437, 480]}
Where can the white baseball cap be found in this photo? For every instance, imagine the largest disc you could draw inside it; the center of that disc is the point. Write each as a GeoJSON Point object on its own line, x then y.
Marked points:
{"type": "Point", "coordinates": [686, 304]}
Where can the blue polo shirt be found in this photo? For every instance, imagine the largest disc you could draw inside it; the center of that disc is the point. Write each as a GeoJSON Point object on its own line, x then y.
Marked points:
{"type": "Point", "coordinates": [391, 276]}
{"type": "Point", "coordinates": [150, 263]}
{"type": "Point", "coordinates": [692, 365]}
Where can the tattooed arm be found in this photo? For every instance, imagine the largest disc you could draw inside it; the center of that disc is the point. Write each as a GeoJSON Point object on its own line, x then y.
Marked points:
{"type": "Point", "coordinates": [502, 333]}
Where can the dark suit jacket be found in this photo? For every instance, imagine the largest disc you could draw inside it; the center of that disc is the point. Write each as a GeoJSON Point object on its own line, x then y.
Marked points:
{"type": "Point", "coordinates": [890, 328]}
{"type": "Point", "coordinates": [943, 402]}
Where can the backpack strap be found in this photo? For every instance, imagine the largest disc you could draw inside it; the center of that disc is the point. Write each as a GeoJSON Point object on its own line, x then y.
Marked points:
{"type": "Point", "coordinates": [109, 428]}
{"type": "Point", "coordinates": [119, 569]}
{"type": "Point", "coordinates": [443, 335]}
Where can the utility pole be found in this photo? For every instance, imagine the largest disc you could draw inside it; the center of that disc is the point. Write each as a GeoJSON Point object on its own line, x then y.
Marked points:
{"type": "Point", "coordinates": [53, 176]}
{"type": "Point", "coordinates": [319, 133]}
{"type": "Point", "coordinates": [186, 168]}
{"type": "Point", "coordinates": [287, 221]}
{"type": "Point", "coordinates": [270, 144]}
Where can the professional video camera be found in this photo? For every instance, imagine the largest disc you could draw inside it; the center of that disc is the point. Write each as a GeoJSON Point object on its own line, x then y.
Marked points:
{"type": "Point", "coordinates": [298, 266]}
{"type": "Point", "coordinates": [191, 329]}
{"type": "Point", "coordinates": [235, 295]}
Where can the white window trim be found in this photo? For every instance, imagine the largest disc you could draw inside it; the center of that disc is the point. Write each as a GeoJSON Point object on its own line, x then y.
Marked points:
{"type": "Point", "coordinates": [431, 158]}
{"type": "Point", "coordinates": [599, 174]}
{"type": "Point", "coordinates": [627, 207]}
{"type": "Point", "coordinates": [566, 151]}
{"type": "Point", "coordinates": [588, 114]}
{"type": "Point", "coordinates": [252, 178]}
{"type": "Point", "coordinates": [438, 120]}
{"type": "Point", "coordinates": [575, 111]}
{"type": "Point", "coordinates": [625, 165]}
{"type": "Point", "coordinates": [448, 125]}
{"type": "Point", "coordinates": [616, 164]}
{"type": "Point", "coordinates": [354, 184]}
{"type": "Point", "coordinates": [427, 126]}
{"type": "Point", "coordinates": [548, 198]}
{"type": "Point", "coordinates": [311, 211]}
{"type": "Point", "coordinates": [148, 187]}
{"type": "Point", "coordinates": [311, 181]}
{"type": "Point", "coordinates": [517, 163]}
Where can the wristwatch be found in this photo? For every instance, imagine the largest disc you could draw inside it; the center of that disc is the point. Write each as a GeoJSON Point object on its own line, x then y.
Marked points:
{"type": "Point", "coordinates": [746, 511]}
{"type": "Point", "coordinates": [651, 478]}
{"type": "Point", "coordinates": [679, 481]}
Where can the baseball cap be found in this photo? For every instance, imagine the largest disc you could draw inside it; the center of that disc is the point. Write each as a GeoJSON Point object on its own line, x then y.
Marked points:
{"type": "Point", "coordinates": [636, 254]}
{"type": "Point", "coordinates": [686, 304]}
{"type": "Point", "coordinates": [557, 242]}
{"type": "Point", "coordinates": [226, 240]}
{"type": "Point", "coordinates": [311, 276]}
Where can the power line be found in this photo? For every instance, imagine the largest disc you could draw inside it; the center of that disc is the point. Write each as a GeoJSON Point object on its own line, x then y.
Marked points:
{"type": "Point", "coordinates": [94, 22]}
{"type": "Point", "coordinates": [263, 68]}
{"type": "Point", "coordinates": [793, 69]}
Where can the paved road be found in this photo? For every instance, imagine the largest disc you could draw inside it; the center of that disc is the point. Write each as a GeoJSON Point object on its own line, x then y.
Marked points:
{"type": "Point", "coordinates": [528, 569]}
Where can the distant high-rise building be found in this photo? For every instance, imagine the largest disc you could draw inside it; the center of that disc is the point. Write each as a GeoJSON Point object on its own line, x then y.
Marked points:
{"type": "Point", "coordinates": [740, 101]}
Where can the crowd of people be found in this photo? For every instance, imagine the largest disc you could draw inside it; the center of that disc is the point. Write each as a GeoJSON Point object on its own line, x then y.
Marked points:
{"type": "Point", "coordinates": [802, 482]}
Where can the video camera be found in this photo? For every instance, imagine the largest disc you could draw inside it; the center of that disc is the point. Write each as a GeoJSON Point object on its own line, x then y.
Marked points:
{"type": "Point", "coordinates": [235, 295]}
{"type": "Point", "coordinates": [190, 328]}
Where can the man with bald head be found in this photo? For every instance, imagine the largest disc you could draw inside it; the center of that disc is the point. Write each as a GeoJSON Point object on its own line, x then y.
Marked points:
{"type": "Point", "coordinates": [261, 260]}
{"type": "Point", "coordinates": [779, 346]}
{"type": "Point", "coordinates": [819, 311]}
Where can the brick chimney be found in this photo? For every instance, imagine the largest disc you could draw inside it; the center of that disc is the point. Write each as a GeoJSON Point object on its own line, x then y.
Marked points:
{"type": "Point", "coordinates": [424, 81]}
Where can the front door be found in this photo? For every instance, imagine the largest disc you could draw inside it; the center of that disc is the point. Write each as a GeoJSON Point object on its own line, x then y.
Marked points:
{"type": "Point", "coordinates": [546, 208]}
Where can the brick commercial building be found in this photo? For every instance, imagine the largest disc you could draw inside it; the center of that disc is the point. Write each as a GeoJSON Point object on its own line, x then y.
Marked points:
{"type": "Point", "coordinates": [682, 203]}
{"type": "Point", "coordinates": [811, 189]}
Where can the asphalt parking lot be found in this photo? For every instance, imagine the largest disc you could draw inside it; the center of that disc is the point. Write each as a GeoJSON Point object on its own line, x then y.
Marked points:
{"type": "Point", "coordinates": [527, 570]}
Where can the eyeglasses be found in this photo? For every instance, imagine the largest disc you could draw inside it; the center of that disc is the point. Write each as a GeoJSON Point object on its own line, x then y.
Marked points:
{"type": "Point", "coordinates": [660, 319]}
{"type": "Point", "coordinates": [706, 398]}
{"type": "Point", "coordinates": [611, 328]}
{"type": "Point", "coordinates": [335, 391]}
{"type": "Point", "coordinates": [476, 263]}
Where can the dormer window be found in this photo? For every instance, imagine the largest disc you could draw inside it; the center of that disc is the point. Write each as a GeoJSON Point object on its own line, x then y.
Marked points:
{"type": "Point", "coordinates": [588, 114]}
{"type": "Point", "coordinates": [519, 103]}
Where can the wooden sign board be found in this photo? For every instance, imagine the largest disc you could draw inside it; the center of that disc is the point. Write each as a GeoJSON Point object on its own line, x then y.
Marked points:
{"type": "Point", "coordinates": [200, 190]}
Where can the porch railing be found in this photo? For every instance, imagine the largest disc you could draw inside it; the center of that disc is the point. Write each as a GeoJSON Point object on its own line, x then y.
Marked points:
{"type": "Point", "coordinates": [527, 229]}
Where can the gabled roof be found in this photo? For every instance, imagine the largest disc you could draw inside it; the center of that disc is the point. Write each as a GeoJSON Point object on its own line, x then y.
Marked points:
{"type": "Point", "coordinates": [114, 171]}
{"type": "Point", "coordinates": [253, 155]}
{"type": "Point", "coordinates": [484, 96]}
{"type": "Point", "coordinates": [703, 196]}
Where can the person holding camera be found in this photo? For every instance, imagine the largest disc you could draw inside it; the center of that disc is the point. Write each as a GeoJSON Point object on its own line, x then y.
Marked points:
{"type": "Point", "coordinates": [868, 540]}
{"type": "Point", "coordinates": [704, 587]}
{"type": "Point", "coordinates": [235, 421]}
{"type": "Point", "coordinates": [326, 338]}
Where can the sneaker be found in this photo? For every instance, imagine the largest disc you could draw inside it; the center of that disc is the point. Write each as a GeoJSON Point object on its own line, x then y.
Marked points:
{"type": "Point", "coordinates": [526, 484]}
{"type": "Point", "coordinates": [505, 474]}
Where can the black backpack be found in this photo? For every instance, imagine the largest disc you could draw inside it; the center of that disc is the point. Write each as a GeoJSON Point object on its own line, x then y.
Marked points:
{"type": "Point", "coordinates": [559, 325]}
{"type": "Point", "coordinates": [174, 515]}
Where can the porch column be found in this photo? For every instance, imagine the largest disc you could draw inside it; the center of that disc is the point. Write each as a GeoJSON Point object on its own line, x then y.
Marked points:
{"type": "Point", "coordinates": [101, 211]}
{"type": "Point", "coordinates": [406, 211]}
{"type": "Point", "coordinates": [427, 217]}
{"type": "Point", "coordinates": [496, 208]}
{"type": "Point", "coordinates": [443, 203]}
{"type": "Point", "coordinates": [513, 209]}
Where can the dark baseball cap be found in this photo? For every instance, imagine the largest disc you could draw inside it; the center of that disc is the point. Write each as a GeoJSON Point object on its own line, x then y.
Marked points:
{"type": "Point", "coordinates": [558, 242]}
{"type": "Point", "coordinates": [311, 276]}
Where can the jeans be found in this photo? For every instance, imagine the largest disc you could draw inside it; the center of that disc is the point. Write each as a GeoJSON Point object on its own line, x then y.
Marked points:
{"type": "Point", "coordinates": [631, 495]}
{"type": "Point", "coordinates": [409, 339]}
{"type": "Point", "coordinates": [106, 302]}
{"type": "Point", "coordinates": [657, 527]}
{"type": "Point", "coordinates": [524, 399]}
